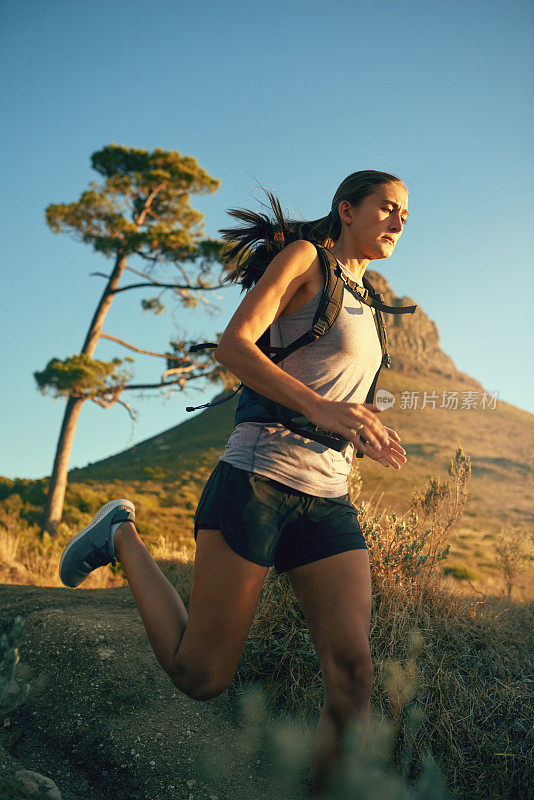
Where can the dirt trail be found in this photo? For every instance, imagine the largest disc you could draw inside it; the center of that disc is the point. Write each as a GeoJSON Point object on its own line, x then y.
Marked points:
{"type": "Point", "coordinates": [103, 719]}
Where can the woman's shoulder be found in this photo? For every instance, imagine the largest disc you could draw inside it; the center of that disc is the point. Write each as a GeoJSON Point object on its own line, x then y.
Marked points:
{"type": "Point", "coordinates": [296, 260]}
{"type": "Point", "coordinates": [304, 254]}
{"type": "Point", "coordinates": [303, 247]}
{"type": "Point", "coordinates": [300, 256]}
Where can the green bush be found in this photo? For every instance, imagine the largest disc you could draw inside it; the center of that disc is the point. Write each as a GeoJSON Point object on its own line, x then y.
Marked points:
{"type": "Point", "coordinates": [461, 573]}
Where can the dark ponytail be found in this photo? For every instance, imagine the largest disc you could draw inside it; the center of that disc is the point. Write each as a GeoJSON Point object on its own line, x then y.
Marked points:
{"type": "Point", "coordinates": [251, 248]}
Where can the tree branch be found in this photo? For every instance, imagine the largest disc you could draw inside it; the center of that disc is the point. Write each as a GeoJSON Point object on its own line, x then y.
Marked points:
{"type": "Point", "coordinates": [138, 272]}
{"type": "Point", "coordinates": [138, 349]}
{"type": "Point", "coordinates": [178, 370]}
{"type": "Point", "coordinates": [152, 282]}
{"type": "Point", "coordinates": [141, 218]}
{"type": "Point", "coordinates": [169, 286]}
{"type": "Point", "coordinates": [133, 414]}
{"type": "Point", "coordinates": [100, 275]}
{"type": "Point", "coordinates": [108, 403]}
{"type": "Point", "coordinates": [148, 277]}
{"type": "Point", "coordinates": [154, 259]}
{"type": "Point", "coordinates": [167, 383]}
{"type": "Point", "coordinates": [168, 356]}
{"type": "Point", "coordinates": [182, 270]}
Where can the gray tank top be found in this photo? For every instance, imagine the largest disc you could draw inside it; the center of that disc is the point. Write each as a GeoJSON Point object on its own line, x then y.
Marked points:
{"type": "Point", "coordinates": [340, 366]}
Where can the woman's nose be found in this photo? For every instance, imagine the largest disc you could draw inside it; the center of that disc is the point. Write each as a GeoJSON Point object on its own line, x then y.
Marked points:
{"type": "Point", "coordinates": [397, 222]}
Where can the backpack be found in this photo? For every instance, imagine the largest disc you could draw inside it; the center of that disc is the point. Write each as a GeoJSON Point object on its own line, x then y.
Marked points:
{"type": "Point", "coordinates": [254, 407]}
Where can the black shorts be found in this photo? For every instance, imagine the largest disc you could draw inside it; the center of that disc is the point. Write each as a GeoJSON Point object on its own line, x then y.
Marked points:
{"type": "Point", "coordinates": [270, 523]}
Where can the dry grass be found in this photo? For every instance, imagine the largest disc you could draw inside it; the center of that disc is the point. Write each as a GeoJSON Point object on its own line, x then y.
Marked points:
{"type": "Point", "coordinates": [469, 688]}
{"type": "Point", "coordinates": [514, 553]}
{"type": "Point", "coordinates": [26, 558]}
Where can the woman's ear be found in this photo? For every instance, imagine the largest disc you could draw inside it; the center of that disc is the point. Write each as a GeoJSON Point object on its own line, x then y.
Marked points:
{"type": "Point", "coordinates": [345, 211]}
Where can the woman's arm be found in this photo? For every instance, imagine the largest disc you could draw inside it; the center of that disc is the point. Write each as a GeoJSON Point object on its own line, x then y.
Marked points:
{"type": "Point", "coordinates": [291, 268]}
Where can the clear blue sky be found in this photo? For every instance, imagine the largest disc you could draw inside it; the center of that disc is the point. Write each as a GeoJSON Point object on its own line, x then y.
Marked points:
{"type": "Point", "coordinates": [294, 96]}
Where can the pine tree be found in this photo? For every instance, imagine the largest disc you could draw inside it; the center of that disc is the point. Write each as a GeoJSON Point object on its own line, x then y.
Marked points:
{"type": "Point", "coordinates": [140, 209]}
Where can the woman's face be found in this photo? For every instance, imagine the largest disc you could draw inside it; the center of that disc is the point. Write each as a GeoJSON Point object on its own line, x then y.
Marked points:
{"type": "Point", "coordinates": [373, 227]}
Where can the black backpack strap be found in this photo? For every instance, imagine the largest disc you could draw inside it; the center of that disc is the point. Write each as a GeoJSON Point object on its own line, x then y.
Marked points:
{"type": "Point", "coordinates": [330, 304]}
{"type": "Point", "coordinates": [382, 336]}
{"type": "Point", "coordinates": [371, 298]}
{"type": "Point", "coordinates": [331, 301]}
{"type": "Point", "coordinates": [328, 309]}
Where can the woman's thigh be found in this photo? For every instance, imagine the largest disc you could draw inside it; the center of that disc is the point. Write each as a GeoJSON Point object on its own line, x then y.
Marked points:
{"type": "Point", "coordinates": [334, 594]}
{"type": "Point", "coordinates": [224, 596]}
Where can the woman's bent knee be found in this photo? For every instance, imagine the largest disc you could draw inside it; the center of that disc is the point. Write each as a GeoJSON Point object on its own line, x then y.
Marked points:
{"type": "Point", "coordinates": [203, 692]}
{"type": "Point", "coordinates": [199, 687]}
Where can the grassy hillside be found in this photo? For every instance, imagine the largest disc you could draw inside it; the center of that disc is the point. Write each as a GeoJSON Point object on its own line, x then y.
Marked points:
{"type": "Point", "coordinates": [179, 454]}
{"type": "Point", "coordinates": [499, 442]}
{"type": "Point", "coordinates": [175, 463]}
{"type": "Point", "coordinates": [164, 475]}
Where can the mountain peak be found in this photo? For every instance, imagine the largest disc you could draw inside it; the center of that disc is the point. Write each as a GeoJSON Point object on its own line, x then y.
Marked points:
{"type": "Point", "coordinates": [413, 339]}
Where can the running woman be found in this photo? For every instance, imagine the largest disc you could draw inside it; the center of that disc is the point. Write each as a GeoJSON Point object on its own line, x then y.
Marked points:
{"type": "Point", "coordinates": [277, 497]}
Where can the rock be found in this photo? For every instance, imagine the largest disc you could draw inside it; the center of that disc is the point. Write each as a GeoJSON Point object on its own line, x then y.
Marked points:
{"type": "Point", "coordinates": [414, 339]}
{"type": "Point", "coordinates": [37, 785]}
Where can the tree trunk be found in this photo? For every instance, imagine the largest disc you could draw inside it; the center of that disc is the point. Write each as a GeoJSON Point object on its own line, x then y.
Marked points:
{"type": "Point", "coordinates": [95, 328]}
{"type": "Point", "coordinates": [58, 479]}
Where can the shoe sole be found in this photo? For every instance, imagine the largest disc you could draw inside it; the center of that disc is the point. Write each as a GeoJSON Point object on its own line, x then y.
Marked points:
{"type": "Point", "coordinates": [100, 514]}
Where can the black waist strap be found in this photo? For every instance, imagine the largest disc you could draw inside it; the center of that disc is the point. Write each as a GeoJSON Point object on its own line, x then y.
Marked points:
{"type": "Point", "coordinates": [309, 431]}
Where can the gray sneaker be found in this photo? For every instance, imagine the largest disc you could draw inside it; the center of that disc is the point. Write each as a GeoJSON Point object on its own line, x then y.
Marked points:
{"type": "Point", "coordinates": [93, 547]}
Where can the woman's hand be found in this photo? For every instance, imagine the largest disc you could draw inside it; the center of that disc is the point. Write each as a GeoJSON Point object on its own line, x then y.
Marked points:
{"type": "Point", "coordinates": [352, 420]}
{"type": "Point", "coordinates": [389, 455]}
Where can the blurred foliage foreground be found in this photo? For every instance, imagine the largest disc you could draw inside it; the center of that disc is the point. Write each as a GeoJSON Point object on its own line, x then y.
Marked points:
{"type": "Point", "coordinates": [450, 699]}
